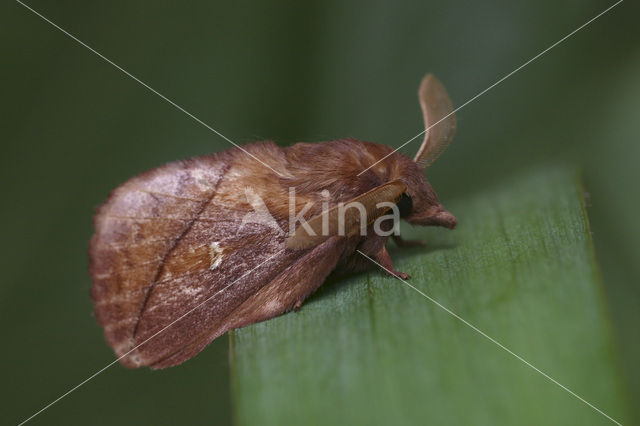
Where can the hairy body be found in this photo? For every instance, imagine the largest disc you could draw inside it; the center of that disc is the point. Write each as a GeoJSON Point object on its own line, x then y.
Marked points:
{"type": "Point", "coordinates": [174, 240]}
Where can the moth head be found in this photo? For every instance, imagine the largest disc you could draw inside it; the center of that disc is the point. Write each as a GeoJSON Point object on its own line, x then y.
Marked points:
{"type": "Point", "coordinates": [420, 203]}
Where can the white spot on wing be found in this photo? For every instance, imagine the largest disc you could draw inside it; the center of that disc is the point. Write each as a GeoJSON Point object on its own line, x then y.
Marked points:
{"type": "Point", "coordinates": [271, 306]}
{"type": "Point", "coordinates": [215, 254]}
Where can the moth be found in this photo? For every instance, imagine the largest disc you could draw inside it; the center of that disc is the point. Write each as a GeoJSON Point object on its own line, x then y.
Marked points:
{"type": "Point", "coordinates": [175, 263]}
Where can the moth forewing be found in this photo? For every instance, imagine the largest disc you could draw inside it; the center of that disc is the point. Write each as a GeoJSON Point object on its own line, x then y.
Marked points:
{"type": "Point", "coordinates": [439, 120]}
{"type": "Point", "coordinates": [348, 218]}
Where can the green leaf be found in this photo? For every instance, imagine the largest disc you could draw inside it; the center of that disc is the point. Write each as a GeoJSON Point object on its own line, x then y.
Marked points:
{"type": "Point", "coordinates": [368, 349]}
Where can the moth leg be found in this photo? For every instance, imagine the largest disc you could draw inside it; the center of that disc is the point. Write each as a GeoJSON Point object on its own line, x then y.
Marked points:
{"type": "Point", "coordinates": [401, 242]}
{"type": "Point", "coordinates": [384, 259]}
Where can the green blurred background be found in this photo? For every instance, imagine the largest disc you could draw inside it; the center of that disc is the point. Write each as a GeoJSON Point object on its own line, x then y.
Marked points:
{"type": "Point", "coordinates": [75, 127]}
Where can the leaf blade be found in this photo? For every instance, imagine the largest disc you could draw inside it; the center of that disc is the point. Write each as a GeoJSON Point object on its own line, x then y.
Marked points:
{"type": "Point", "coordinates": [368, 349]}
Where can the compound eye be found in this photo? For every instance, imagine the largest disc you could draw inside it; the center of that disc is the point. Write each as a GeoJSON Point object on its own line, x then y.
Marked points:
{"type": "Point", "coordinates": [405, 205]}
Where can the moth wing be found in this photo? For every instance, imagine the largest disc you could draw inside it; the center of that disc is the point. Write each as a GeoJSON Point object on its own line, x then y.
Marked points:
{"type": "Point", "coordinates": [344, 219]}
{"type": "Point", "coordinates": [170, 242]}
{"type": "Point", "coordinates": [439, 120]}
{"type": "Point", "coordinates": [284, 292]}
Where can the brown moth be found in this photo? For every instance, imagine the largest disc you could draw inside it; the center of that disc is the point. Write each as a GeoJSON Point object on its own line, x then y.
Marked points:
{"type": "Point", "coordinates": [175, 262]}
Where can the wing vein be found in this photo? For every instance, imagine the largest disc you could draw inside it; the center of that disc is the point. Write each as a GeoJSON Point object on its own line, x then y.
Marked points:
{"type": "Point", "coordinates": [160, 269]}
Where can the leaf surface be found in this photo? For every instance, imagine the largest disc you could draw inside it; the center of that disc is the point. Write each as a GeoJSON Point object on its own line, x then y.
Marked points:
{"type": "Point", "coordinates": [367, 349]}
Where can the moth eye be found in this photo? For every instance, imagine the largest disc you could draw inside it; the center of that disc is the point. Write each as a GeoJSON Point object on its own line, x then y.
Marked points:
{"type": "Point", "coordinates": [405, 205]}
